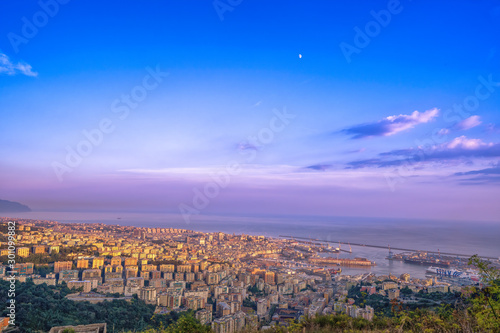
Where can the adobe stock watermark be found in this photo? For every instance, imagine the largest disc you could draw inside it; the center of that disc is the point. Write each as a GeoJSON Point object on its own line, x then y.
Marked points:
{"type": "Point", "coordinates": [458, 112]}
{"type": "Point", "coordinates": [31, 26]}
{"type": "Point", "coordinates": [222, 6]}
{"type": "Point", "coordinates": [203, 195]}
{"type": "Point", "coordinates": [121, 108]}
{"type": "Point", "coordinates": [372, 29]}
{"type": "Point", "coordinates": [11, 292]}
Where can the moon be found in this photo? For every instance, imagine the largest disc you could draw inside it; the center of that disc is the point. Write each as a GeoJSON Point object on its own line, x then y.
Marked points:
{"type": "Point", "coordinates": [300, 56]}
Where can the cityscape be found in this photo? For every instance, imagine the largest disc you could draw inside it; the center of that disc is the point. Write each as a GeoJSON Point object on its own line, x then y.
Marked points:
{"type": "Point", "coordinates": [229, 282]}
{"type": "Point", "coordinates": [242, 166]}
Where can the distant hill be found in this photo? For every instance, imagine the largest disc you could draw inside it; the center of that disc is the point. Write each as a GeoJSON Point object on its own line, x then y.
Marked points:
{"type": "Point", "coordinates": [11, 206]}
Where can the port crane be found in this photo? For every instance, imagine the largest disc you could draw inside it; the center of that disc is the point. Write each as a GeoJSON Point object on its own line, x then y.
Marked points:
{"type": "Point", "coordinates": [340, 249]}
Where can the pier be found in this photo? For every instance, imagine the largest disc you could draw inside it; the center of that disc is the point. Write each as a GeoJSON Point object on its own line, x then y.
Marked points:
{"type": "Point", "coordinates": [343, 262]}
{"type": "Point", "coordinates": [392, 248]}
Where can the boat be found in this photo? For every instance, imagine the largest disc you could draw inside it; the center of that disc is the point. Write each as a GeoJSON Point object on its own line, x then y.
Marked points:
{"type": "Point", "coordinates": [333, 271]}
{"type": "Point", "coordinates": [454, 273]}
{"type": "Point", "coordinates": [426, 261]}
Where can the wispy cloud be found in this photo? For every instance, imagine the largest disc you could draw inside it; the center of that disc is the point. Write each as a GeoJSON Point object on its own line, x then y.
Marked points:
{"type": "Point", "coordinates": [492, 128]}
{"type": "Point", "coordinates": [8, 67]}
{"type": "Point", "coordinates": [247, 146]}
{"type": "Point", "coordinates": [443, 131]}
{"type": "Point", "coordinates": [392, 124]}
{"type": "Point", "coordinates": [459, 149]}
{"type": "Point", "coordinates": [319, 167]}
{"type": "Point", "coordinates": [468, 123]}
{"type": "Point", "coordinates": [495, 170]}
{"type": "Point", "coordinates": [482, 176]}
{"type": "Point", "coordinates": [462, 142]}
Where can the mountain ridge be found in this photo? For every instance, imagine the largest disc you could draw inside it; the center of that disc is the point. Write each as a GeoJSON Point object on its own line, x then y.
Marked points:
{"type": "Point", "coordinates": [7, 206]}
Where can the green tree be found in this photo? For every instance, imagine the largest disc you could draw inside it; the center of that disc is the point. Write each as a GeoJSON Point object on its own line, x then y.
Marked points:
{"type": "Point", "coordinates": [486, 300]}
{"type": "Point", "coordinates": [187, 324]}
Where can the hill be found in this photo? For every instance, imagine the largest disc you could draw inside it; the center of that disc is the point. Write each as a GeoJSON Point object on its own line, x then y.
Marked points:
{"type": "Point", "coordinates": [11, 206]}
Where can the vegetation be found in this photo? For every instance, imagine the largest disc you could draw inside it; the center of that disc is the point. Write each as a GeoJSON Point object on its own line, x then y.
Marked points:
{"type": "Point", "coordinates": [247, 302]}
{"type": "Point", "coordinates": [40, 307]}
{"type": "Point", "coordinates": [254, 290]}
{"type": "Point", "coordinates": [45, 258]}
{"type": "Point", "coordinates": [485, 302]}
{"type": "Point", "coordinates": [185, 323]}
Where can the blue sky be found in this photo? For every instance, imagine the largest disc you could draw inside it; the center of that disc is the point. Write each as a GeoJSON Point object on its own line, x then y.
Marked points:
{"type": "Point", "coordinates": [370, 134]}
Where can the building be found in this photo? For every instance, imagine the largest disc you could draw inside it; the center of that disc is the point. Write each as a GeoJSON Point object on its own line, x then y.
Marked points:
{"type": "Point", "coordinates": [135, 282]}
{"type": "Point", "coordinates": [389, 285]}
{"type": "Point", "coordinates": [261, 307]}
{"type": "Point", "coordinates": [167, 268]}
{"type": "Point", "coordinates": [204, 316]}
{"type": "Point", "coordinates": [133, 286]}
{"type": "Point", "coordinates": [39, 249]}
{"type": "Point", "coordinates": [148, 267]}
{"type": "Point", "coordinates": [213, 278]}
{"type": "Point", "coordinates": [366, 313]}
{"type": "Point", "coordinates": [130, 272]}
{"type": "Point", "coordinates": [405, 277]}
{"type": "Point", "coordinates": [23, 251]}
{"type": "Point", "coordinates": [91, 273]}
{"type": "Point", "coordinates": [98, 262]}
{"type": "Point", "coordinates": [189, 277]}
{"type": "Point", "coordinates": [62, 266]}
{"type": "Point", "coordinates": [53, 249]}
{"type": "Point", "coordinates": [85, 285]}
{"type": "Point", "coordinates": [171, 300]}
{"type": "Point", "coordinates": [116, 261]}
{"type": "Point", "coordinates": [223, 309]}
{"type": "Point", "coordinates": [131, 261]}
{"type": "Point", "coordinates": [184, 268]}
{"type": "Point", "coordinates": [439, 289]}
{"type": "Point", "coordinates": [393, 293]}
{"type": "Point", "coordinates": [155, 275]}
{"type": "Point", "coordinates": [194, 302]}
{"type": "Point", "coordinates": [148, 295]}
{"type": "Point", "coordinates": [269, 278]}
{"type": "Point", "coordinates": [68, 275]}
{"type": "Point", "coordinates": [159, 284]}
{"type": "Point", "coordinates": [24, 269]}
{"type": "Point", "coordinates": [4, 323]}
{"type": "Point", "coordinates": [223, 325]}
{"type": "Point", "coordinates": [92, 328]}
{"type": "Point", "coordinates": [82, 263]}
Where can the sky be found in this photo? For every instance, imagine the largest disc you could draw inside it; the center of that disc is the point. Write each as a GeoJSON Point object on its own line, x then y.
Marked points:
{"type": "Point", "coordinates": [237, 107]}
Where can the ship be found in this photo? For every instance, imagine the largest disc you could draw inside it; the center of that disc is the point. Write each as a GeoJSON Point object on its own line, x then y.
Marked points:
{"type": "Point", "coordinates": [454, 273]}
{"type": "Point", "coordinates": [333, 271]}
{"type": "Point", "coordinates": [427, 261]}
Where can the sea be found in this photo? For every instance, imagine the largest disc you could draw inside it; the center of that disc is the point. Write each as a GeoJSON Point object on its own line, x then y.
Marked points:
{"type": "Point", "coordinates": [468, 238]}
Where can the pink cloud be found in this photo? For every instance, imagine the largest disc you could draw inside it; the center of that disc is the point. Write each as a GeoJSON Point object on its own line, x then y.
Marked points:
{"type": "Point", "coordinates": [462, 142]}
{"type": "Point", "coordinates": [392, 124]}
{"type": "Point", "coordinates": [469, 123]}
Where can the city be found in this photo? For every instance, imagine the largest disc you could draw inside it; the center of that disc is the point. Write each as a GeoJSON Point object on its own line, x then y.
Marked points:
{"type": "Point", "coordinates": [230, 282]}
